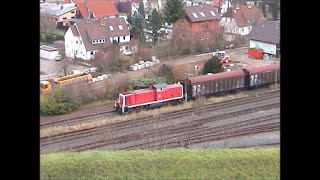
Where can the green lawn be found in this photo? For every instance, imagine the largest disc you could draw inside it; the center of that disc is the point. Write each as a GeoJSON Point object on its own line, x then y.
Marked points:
{"type": "Point", "coordinates": [252, 164]}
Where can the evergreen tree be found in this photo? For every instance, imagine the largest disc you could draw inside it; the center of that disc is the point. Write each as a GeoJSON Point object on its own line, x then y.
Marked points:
{"type": "Point", "coordinates": [156, 22]}
{"type": "Point", "coordinates": [173, 11]}
{"type": "Point", "coordinates": [141, 11]}
{"type": "Point", "coordinates": [213, 65]}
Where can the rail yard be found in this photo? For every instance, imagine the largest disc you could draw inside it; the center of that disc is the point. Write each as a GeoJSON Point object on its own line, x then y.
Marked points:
{"type": "Point", "coordinates": [198, 125]}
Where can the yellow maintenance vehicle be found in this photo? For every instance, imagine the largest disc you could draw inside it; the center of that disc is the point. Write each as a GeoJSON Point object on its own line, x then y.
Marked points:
{"type": "Point", "coordinates": [45, 86]}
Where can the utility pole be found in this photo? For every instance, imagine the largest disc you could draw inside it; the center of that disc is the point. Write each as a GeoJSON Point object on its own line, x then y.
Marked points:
{"type": "Point", "coordinates": [275, 82]}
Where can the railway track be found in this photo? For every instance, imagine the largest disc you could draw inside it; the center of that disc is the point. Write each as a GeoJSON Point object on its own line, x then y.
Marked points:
{"type": "Point", "coordinates": [75, 120]}
{"type": "Point", "coordinates": [150, 119]}
{"type": "Point", "coordinates": [180, 129]}
{"type": "Point", "coordinates": [215, 133]}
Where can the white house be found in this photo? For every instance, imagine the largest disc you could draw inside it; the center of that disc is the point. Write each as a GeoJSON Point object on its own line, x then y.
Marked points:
{"type": "Point", "coordinates": [266, 36]}
{"type": "Point", "coordinates": [238, 20]}
{"type": "Point", "coordinates": [84, 38]}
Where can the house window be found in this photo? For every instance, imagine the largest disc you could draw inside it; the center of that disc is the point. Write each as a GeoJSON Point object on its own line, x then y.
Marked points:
{"type": "Point", "coordinates": [72, 17]}
{"type": "Point", "coordinates": [91, 52]}
{"type": "Point", "coordinates": [76, 42]}
{"type": "Point", "coordinates": [64, 18]}
{"type": "Point", "coordinates": [212, 13]}
{"type": "Point", "coordinates": [204, 25]}
{"type": "Point", "coordinates": [120, 27]}
{"type": "Point", "coordinates": [72, 12]}
{"type": "Point", "coordinates": [80, 42]}
{"type": "Point", "coordinates": [202, 14]}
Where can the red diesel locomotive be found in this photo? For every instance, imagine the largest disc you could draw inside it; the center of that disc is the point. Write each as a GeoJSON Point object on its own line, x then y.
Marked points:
{"type": "Point", "coordinates": [151, 97]}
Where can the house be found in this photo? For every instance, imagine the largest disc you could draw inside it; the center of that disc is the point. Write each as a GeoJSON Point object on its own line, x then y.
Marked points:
{"type": "Point", "coordinates": [266, 36]}
{"type": "Point", "coordinates": [239, 19]}
{"type": "Point", "coordinates": [61, 14]}
{"type": "Point", "coordinates": [95, 9]}
{"type": "Point", "coordinates": [203, 19]}
{"type": "Point", "coordinates": [222, 5]}
{"type": "Point", "coordinates": [84, 38]}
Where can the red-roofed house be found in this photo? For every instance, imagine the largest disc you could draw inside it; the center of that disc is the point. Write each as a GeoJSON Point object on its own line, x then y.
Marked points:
{"type": "Point", "coordinates": [203, 18]}
{"type": "Point", "coordinates": [84, 38]}
{"type": "Point", "coordinates": [96, 9]}
{"type": "Point", "coordinates": [239, 19]}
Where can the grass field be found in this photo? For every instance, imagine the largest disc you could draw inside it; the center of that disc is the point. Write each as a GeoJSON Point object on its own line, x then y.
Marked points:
{"type": "Point", "coordinates": [251, 164]}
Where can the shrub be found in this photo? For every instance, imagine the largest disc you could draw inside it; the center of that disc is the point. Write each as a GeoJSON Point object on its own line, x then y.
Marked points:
{"type": "Point", "coordinates": [56, 102]}
{"type": "Point", "coordinates": [164, 50]}
{"type": "Point", "coordinates": [144, 82]}
{"type": "Point", "coordinates": [199, 48]}
{"type": "Point", "coordinates": [185, 51]}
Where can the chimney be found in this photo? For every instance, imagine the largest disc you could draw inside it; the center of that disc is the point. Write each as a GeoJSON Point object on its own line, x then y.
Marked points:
{"type": "Point", "coordinates": [238, 6]}
{"type": "Point", "coordinates": [249, 5]}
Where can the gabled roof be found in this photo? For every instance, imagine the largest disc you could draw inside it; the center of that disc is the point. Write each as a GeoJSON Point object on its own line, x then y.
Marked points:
{"type": "Point", "coordinates": [267, 31]}
{"type": "Point", "coordinates": [99, 29]}
{"type": "Point", "coordinates": [203, 12]}
{"type": "Point", "coordinates": [74, 31]}
{"type": "Point", "coordinates": [215, 3]}
{"type": "Point", "coordinates": [99, 8]}
{"type": "Point", "coordinates": [245, 15]}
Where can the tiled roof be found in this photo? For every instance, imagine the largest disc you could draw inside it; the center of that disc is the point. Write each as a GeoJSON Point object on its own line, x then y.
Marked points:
{"type": "Point", "coordinates": [267, 31]}
{"type": "Point", "coordinates": [245, 16]}
{"type": "Point", "coordinates": [74, 31]}
{"type": "Point", "coordinates": [215, 3]}
{"type": "Point", "coordinates": [94, 30]}
{"type": "Point", "coordinates": [99, 8]}
{"type": "Point", "coordinates": [203, 12]}
{"type": "Point", "coordinates": [103, 8]}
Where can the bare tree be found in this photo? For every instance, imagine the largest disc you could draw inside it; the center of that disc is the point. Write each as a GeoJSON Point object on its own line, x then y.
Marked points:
{"type": "Point", "coordinates": [64, 64]}
{"type": "Point", "coordinates": [46, 25]}
{"type": "Point", "coordinates": [105, 56]}
{"type": "Point", "coordinates": [182, 35]}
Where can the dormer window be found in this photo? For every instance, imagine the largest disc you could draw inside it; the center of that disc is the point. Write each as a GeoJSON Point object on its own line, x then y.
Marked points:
{"type": "Point", "coordinates": [120, 27]}
{"type": "Point", "coordinates": [111, 28]}
{"type": "Point", "coordinates": [202, 14]}
{"type": "Point", "coordinates": [213, 14]}
{"type": "Point", "coordinates": [195, 15]}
